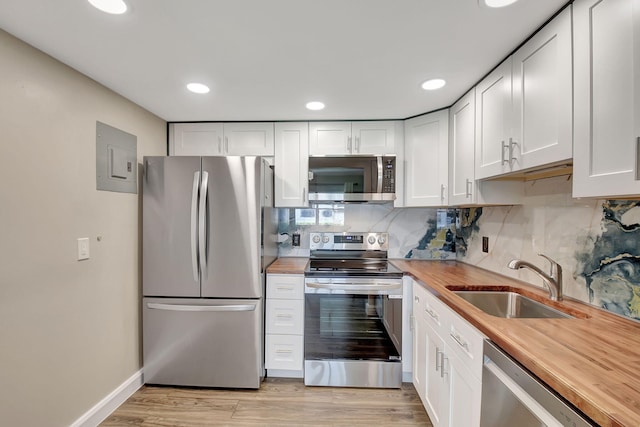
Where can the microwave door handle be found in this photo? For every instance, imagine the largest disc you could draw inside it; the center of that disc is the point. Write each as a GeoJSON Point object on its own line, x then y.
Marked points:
{"type": "Point", "coordinates": [379, 190]}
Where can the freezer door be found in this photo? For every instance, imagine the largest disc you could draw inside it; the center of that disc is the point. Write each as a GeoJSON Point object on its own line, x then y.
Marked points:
{"type": "Point", "coordinates": [232, 267]}
{"type": "Point", "coordinates": [203, 343]}
{"type": "Point", "coordinates": [169, 226]}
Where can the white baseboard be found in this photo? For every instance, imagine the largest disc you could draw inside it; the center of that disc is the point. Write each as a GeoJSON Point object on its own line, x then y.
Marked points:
{"type": "Point", "coordinates": [106, 406]}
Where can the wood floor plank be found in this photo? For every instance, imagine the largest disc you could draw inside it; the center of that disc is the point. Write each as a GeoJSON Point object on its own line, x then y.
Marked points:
{"type": "Point", "coordinates": [279, 402]}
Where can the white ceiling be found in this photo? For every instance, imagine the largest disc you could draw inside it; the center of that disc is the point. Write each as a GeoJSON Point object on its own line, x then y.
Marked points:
{"type": "Point", "coordinates": [264, 59]}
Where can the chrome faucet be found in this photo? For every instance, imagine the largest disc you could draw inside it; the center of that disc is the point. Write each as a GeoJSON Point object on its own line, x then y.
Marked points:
{"type": "Point", "coordinates": [552, 281]}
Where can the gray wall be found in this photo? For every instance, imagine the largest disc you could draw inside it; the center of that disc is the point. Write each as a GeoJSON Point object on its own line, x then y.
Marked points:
{"type": "Point", "coordinates": [70, 331]}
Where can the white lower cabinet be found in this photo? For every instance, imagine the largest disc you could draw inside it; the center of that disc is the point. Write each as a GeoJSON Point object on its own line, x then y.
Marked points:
{"type": "Point", "coordinates": [284, 338]}
{"type": "Point", "coordinates": [447, 364]}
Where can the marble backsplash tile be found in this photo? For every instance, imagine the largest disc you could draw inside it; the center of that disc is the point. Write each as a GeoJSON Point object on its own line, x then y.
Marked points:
{"type": "Point", "coordinates": [418, 233]}
{"type": "Point", "coordinates": [596, 242]}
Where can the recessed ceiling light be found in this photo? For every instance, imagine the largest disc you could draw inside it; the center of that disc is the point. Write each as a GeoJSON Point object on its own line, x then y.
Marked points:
{"type": "Point", "coordinates": [433, 84]}
{"type": "Point", "coordinates": [115, 7]}
{"type": "Point", "coordinates": [498, 3]}
{"type": "Point", "coordinates": [315, 105]}
{"type": "Point", "coordinates": [198, 88]}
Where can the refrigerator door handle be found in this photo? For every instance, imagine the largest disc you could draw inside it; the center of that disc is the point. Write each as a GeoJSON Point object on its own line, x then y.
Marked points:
{"type": "Point", "coordinates": [202, 224]}
{"type": "Point", "coordinates": [194, 225]}
{"type": "Point", "coordinates": [207, 308]}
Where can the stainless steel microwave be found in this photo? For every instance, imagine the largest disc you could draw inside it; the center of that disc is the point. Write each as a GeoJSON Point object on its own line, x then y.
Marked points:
{"type": "Point", "coordinates": [352, 179]}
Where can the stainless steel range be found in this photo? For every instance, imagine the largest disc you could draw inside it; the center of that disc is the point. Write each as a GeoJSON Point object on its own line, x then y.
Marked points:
{"type": "Point", "coordinates": [353, 312]}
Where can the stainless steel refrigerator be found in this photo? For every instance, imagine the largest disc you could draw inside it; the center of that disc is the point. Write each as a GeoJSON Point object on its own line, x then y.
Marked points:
{"type": "Point", "coordinates": [209, 232]}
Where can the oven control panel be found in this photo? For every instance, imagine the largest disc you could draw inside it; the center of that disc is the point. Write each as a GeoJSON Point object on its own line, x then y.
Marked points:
{"type": "Point", "coordinates": [349, 241]}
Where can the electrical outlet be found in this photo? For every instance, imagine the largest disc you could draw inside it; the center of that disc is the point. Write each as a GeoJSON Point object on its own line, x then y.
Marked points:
{"type": "Point", "coordinates": [485, 244]}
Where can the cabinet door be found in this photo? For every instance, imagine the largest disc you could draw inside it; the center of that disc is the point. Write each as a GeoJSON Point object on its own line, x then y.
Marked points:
{"type": "Point", "coordinates": [195, 139]}
{"type": "Point", "coordinates": [377, 138]}
{"type": "Point", "coordinates": [291, 164]}
{"type": "Point", "coordinates": [248, 139]}
{"type": "Point", "coordinates": [542, 96]}
{"type": "Point", "coordinates": [607, 98]}
{"type": "Point", "coordinates": [419, 354]}
{"type": "Point", "coordinates": [493, 122]}
{"type": "Point", "coordinates": [330, 138]}
{"type": "Point", "coordinates": [284, 352]}
{"type": "Point", "coordinates": [464, 394]}
{"type": "Point", "coordinates": [436, 399]}
{"type": "Point", "coordinates": [426, 154]}
{"type": "Point", "coordinates": [462, 139]}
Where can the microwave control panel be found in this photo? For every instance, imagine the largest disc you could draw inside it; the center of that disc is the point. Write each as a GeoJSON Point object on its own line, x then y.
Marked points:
{"type": "Point", "coordinates": [388, 176]}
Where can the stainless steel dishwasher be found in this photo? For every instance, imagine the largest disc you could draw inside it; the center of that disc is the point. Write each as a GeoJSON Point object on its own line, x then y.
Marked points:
{"type": "Point", "coordinates": [512, 396]}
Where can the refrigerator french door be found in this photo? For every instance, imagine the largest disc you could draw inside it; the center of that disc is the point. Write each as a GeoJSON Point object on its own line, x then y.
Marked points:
{"type": "Point", "coordinates": [203, 270]}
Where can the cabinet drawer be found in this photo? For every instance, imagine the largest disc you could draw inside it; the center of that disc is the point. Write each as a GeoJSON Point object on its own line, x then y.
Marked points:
{"type": "Point", "coordinates": [285, 286]}
{"type": "Point", "coordinates": [466, 341]}
{"type": "Point", "coordinates": [284, 352]}
{"type": "Point", "coordinates": [285, 317]}
{"type": "Point", "coordinates": [435, 313]}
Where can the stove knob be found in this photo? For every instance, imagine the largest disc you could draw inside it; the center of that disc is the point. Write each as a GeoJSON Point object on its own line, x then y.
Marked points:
{"type": "Point", "coordinates": [316, 238]}
{"type": "Point", "coordinates": [325, 239]}
{"type": "Point", "coordinates": [382, 240]}
{"type": "Point", "coordinates": [372, 239]}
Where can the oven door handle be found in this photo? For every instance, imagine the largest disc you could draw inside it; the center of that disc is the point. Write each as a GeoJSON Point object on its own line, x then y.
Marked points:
{"type": "Point", "coordinates": [355, 286]}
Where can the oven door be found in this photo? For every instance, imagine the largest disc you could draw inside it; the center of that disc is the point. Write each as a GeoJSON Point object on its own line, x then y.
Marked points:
{"type": "Point", "coordinates": [353, 332]}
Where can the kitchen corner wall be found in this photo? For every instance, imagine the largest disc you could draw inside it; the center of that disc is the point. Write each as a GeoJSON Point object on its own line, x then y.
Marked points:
{"type": "Point", "coordinates": [69, 330]}
{"type": "Point", "coordinates": [597, 242]}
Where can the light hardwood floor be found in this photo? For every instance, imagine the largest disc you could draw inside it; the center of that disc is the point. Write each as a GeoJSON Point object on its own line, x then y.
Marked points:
{"type": "Point", "coordinates": [279, 402]}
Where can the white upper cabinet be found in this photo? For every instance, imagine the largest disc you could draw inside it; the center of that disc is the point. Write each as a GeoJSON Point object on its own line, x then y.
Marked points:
{"type": "Point", "coordinates": [493, 122]}
{"type": "Point", "coordinates": [291, 164]}
{"type": "Point", "coordinates": [221, 139]}
{"type": "Point", "coordinates": [347, 138]}
{"type": "Point", "coordinates": [524, 107]}
{"type": "Point", "coordinates": [426, 151]}
{"type": "Point", "coordinates": [542, 96]}
{"type": "Point", "coordinates": [462, 118]}
{"type": "Point", "coordinates": [607, 98]}
{"type": "Point", "coordinates": [195, 139]}
{"type": "Point", "coordinates": [248, 139]}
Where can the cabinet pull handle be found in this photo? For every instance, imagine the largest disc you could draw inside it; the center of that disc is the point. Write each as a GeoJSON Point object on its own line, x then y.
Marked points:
{"type": "Point", "coordinates": [284, 351]}
{"type": "Point", "coordinates": [304, 195]}
{"type": "Point", "coordinates": [468, 188]}
{"type": "Point", "coordinates": [637, 154]}
{"type": "Point", "coordinates": [226, 144]}
{"type": "Point", "coordinates": [349, 143]}
{"type": "Point", "coordinates": [219, 145]}
{"type": "Point", "coordinates": [416, 298]}
{"type": "Point", "coordinates": [443, 358]}
{"type": "Point", "coordinates": [511, 144]}
{"type": "Point", "coordinates": [432, 313]}
{"type": "Point", "coordinates": [284, 288]}
{"type": "Point", "coordinates": [457, 338]}
{"type": "Point", "coordinates": [284, 316]}
{"type": "Point", "coordinates": [442, 188]}
{"type": "Point", "coordinates": [438, 352]}
{"type": "Point", "coordinates": [504, 147]}
{"type": "Point", "coordinates": [357, 148]}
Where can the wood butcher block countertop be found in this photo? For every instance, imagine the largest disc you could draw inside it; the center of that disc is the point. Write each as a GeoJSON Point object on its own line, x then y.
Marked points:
{"type": "Point", "coordinates": [288, 266]}
{"type": "Point", "coordinates": [592, 360]}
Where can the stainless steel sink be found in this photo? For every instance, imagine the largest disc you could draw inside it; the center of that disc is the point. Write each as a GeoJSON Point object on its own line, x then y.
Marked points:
{"type": "Point", "coordinates": [510, 305]}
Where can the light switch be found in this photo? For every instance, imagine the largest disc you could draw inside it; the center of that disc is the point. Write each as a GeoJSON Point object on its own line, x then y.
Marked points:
{"type": "Point", "coordinates": [83, 248]}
